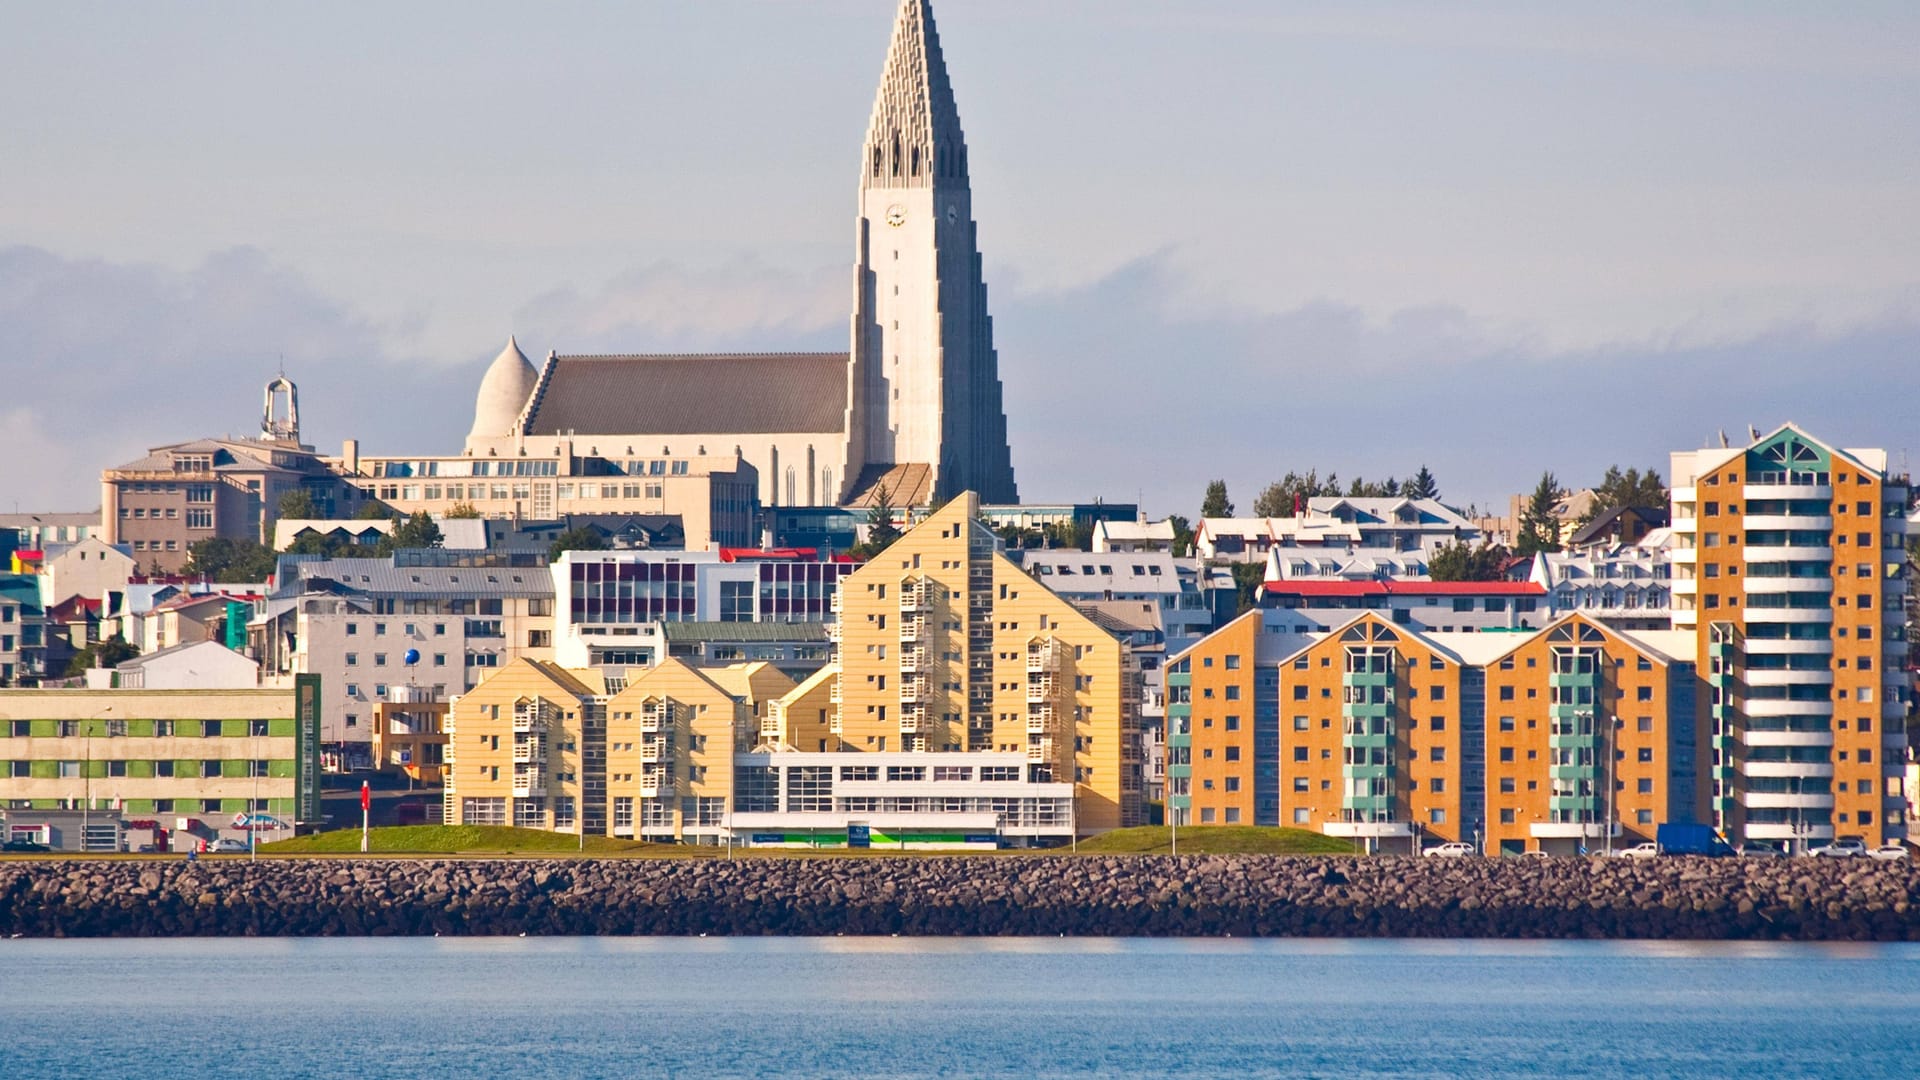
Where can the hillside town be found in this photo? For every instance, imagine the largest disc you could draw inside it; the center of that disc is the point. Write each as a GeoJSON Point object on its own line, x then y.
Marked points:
{"type": "Point", "coordinates": [793, 599]}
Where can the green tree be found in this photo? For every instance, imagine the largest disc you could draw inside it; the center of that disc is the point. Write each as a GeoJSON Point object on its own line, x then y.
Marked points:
{"type": "Point", "coordinates": [578, 538]}
{"type": "Point", "coordinates": [297, 505]}
{"type": "Point", "coordinates": [418, 531]}
{"type": "Point", "coordinates": [462, 511]}
{"type": "Point", "coordinates": [314, 543]}
{"type": "Point", "coordinates": [1182, 535]}
{"type": "Point", "coordinates": [1539, 529]}
{"type": "Point", "coordinates": [1630, 488]}
{"type": "Point", "coordinates": [374, 510]}
{"type": "Point", "coordinates": [1247, 579]}
{"type": "Point", "coordinates": [881, 531]}
{"type": "Point", "coordinates": [1459, 562]}
{"type": "Point", "coordinates": [1290, 491]}
{"type": "Point", "coordinates": [112, 652]}
{"type": "Point", "coordinates": [1422, 485]}
{"type": "Point", "coordinates": [1216, 504]}
{"type": "Point", "coordinates": [223, 560]}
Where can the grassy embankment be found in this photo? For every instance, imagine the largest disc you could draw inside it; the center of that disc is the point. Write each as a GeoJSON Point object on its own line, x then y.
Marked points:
{"type": "Point", "coordinates": [500, 840]}
{"type": "Point", "coordinates": [1216, 840]}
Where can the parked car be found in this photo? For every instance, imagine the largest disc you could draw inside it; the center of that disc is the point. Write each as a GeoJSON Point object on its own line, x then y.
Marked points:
{"type": "Point", "coordinates": [24, 845]}
{"type": "Point", "coordinates": [227, 845]}
{"type": "Point", "coordinates": [1536, 853]}
{"type": "Point", "coordinates": [1648, 850]}
{"type": "Point", "coordinates": [1843, 847]}
{"type": "Point", "coordinates": [1754, 849]}
{"type": "Point", "coordinates": [1457, 849]}
{"type": "Point", "coordinates": [1888, 851]}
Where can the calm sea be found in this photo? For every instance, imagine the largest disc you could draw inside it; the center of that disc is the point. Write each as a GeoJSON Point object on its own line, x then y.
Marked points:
{"type": "Point", "coordinates": [567, 1007]}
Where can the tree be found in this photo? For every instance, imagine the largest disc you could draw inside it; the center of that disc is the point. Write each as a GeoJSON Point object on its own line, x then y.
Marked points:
{"type": "Point", "coordinates": [314, 543]}
{"type": "Point", "coordinates": [417, 531]}
{"type": "Point", "coordinates": [1538, 527]}
{"type": "Point", "coordinates": [374, 510]}
{"type": "Point", "coordinates": [1458, 562]}
{"type": "Point", "coordinates": [224, 560]}
{"type": "Point", "coordinates": [1630, 488]}
{"type": "Point", "coordinates": [1182, 535]}
{"type": "Point", "coordinates": [881, 531]}
{"type": "Point", "coordinates": [112, 652]}
{"type": "Point", "coordinates": [297, 505]}
{"type": "Point", "coordinates": [578, 538]}
{"type": "Point", "coordinates": [1216, 504]}
{"type": "Point", "coordinates": [1422, 485]}
{"type": "Point", "coordinates": [1289, 495]}
{"type": "Point", "coordinates": [462, 511]}
{"type": "Point", "coordinates": [1247, 579]}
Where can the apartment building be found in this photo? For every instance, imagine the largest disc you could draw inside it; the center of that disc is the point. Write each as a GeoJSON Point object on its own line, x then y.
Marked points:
{"type": "Point", "coordinates": [1333, 522]}
{"type": "Point", "coordinates": [714, 495]}
{"type": "Point", "coordinates": [944, 645]}
{"type": "Point", "coordinates": [1395, 738]}
{"type": "Point", "coordinates": [1172, 585]}
{"type": "Point", "coordinates": [1790, 572]}
{"type": "Point", "coordinates": [1627, 586]}
{"type": "Point", "coordinates": [23, 631]}
{"type": "Point", "coordinates": [614, 602]}
{"type": "Point", "coordinates": [1426, 606]}
{"type": "Point", "coordinates": [539, 746]}
{"type": "Point", "coordinates": [175, 765]}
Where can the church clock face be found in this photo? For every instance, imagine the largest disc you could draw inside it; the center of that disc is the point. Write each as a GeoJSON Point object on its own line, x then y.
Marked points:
{"type": "Point", "coordinates": [896, 215]}
{"type": "Point", "coordinates": [953, 213]}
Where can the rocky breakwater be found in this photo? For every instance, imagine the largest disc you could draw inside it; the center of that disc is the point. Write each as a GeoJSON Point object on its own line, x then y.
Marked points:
{"type": "Point", "coordinates": [1250, 896]}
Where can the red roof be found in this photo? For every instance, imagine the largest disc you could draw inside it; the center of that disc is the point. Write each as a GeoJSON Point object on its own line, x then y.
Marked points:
{"type": "Point", "coordinates": [1404, 588]}
{"type": "Point", "coordinates": [790, 554]}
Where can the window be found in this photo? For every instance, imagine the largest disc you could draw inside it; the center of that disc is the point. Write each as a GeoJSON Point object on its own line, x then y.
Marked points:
{"type": "Point", "coordinates": [1302, 816]}
{"type": "Point", "coordinates": [1506, 785]}
{"type": "Point", "coordinates": [1300, 723]}
{"type": "Point", "coordinates": [1506, 816]}
{"type": "Point", "coordinates": [1506, 753]}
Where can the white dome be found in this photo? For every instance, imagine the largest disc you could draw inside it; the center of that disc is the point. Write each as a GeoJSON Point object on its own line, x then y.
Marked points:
{"type": "Point", "coordinates": [504, 390]}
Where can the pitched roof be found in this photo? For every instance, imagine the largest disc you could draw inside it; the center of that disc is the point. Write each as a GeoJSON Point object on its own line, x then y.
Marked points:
{"type": "Point", "coordinates": [1297, 587]}
{"type": "Point", "coordinates": [743, 633]}
{"type": "Point", "coordinates": [680, 394]}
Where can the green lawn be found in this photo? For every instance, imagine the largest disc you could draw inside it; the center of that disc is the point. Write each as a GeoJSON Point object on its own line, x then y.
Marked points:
{"type": "Point", "coordinates": [1218, 840]}
{"type": "Point", "coordinates": [455, 839]}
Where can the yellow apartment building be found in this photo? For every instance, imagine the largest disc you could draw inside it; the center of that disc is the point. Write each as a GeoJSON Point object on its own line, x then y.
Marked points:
{"type": "Point", "coordinates": [943, 645]}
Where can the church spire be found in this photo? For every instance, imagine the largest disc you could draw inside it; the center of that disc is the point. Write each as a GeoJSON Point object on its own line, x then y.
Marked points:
{"type": "Point", "coordinates": [914, 138]}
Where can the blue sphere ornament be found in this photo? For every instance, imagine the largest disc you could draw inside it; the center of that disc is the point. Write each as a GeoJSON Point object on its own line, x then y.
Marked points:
{"type": "Point", "coordinates": [413, 657]}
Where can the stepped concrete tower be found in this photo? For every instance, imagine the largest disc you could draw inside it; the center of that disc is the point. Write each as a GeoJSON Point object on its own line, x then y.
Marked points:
{"type": "Point", "coordinates": [924, 416]}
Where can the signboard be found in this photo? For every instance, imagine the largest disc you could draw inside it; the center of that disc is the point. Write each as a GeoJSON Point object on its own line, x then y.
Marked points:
{"type": "Point", "coordinates": [859, 836]}
{"type": "Point", "coordinates": [306, 747]}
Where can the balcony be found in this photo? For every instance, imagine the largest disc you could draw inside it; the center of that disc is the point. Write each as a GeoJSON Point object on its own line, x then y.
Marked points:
{"type": "Point", "coordinates": [656, 783]}
{"type": "Point", "coordinates": [1040, 719]}
{"type": "Point", "coordinates": [912, 630]}
{"type": "Point", "coordinates": [1040, 688]}
{"type": "Point", "coordinates": [913, 688]}
{"type": "Point", "coordinates": [1760, 553]}
{"type": "Point", "coordinates": [656, 751]}
{"type": "Point", "coordinates": [529, 720]}
{"type": "Point", "coordinates": [913, 721]}
{"type": "Point", "coordinates": [1788, 770]}
{"type": "Point", "coordinates": [912, 660]}
{"type": "Point", "coordinates": [1750, 737]}
{"type": "Point", "coordinates": [654, 719]}
{"type": "Point", "coordinates": [1767, 800]}
{"type": "Point", "coordinates": [1043, 658]}
{"type": "Point", "coordinates": [529, 781]}
{"type": "Point", "coordinates": [1776, 677]}
{"type": "Point", "coordinates": [916, 598]}
{"type": "Point", "coordinates": [1823, 522]}
{"type": "Point", "coordinates": [1786, 491]}
{"type": "Point", "coordinates": [529, 750]}
{"type": "Point", "coordinates": [1787, 584]}
{"type": "Point", "coordinates": [1794, 646]}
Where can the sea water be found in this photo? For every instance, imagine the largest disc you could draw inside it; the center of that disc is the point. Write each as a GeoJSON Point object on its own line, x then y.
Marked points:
{"type": "Point", "coordinates": [827, 1007]}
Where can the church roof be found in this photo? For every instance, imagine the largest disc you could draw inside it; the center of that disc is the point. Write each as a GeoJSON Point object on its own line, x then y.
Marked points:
{"type": "Point", "coordinates": [503, 392]}
{"type": "Point", "coordinates": [914, 113]}
{"type": "Point", "coordinates": [683, 394]}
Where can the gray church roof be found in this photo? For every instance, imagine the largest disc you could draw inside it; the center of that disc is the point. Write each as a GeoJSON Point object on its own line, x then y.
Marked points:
{"type": "Point", "coordinates": [679, 394]}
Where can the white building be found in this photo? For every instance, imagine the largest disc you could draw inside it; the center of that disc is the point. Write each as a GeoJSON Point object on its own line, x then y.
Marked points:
{"type": "Point", "coordinates": [1418, 526]}
{"type": "Point", "coordinates": [199, 665]}
{"type": "Point", "coordinates": [1628, 587]}
{"type": "Point", "coordinates": [1167, 582]}
{"type": "Point", "coordinates": [1134, 536]}
{"type": "Point", "coordinates": [91, 568]}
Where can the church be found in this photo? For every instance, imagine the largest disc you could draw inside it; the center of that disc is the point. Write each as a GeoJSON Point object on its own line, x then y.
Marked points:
{"type": "Point", "coordinates": [911, 413]}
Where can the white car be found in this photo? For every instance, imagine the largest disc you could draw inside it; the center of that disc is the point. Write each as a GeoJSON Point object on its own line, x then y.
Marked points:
{"type": "Point", "coordinates": [1456, 850]}
{"type": "Point", "coordinates": [1888, 851]}
{"type": "Point", "coordinates": [227, 845]}
{"type": "Point", "coordinates": [1845, 847]}
{"type": "Point", "coordinates": [1648, 850]}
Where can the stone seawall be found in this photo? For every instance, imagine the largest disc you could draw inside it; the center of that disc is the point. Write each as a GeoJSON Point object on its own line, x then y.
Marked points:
{"type": "Point", "coordinates": [1245, 896]}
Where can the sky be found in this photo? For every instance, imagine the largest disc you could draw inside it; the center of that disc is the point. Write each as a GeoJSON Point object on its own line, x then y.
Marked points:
{"type": "Point", "coordinates": [1223, 238]}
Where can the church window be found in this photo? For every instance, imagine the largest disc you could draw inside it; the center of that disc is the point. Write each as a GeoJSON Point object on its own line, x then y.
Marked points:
{"type": "Point", "coordinates": [896, 153]}
{"type": "Point", "coordinates": [916, 162]}
{"type": "Point", "coordinates": [876, 161]}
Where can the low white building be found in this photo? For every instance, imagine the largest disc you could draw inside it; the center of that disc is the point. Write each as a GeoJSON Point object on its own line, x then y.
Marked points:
{"type": "Point", "coordinates": [1419, 526]}
{"type": "Point", "coordinates": [1131, 536]}
{"type": "Point", "coordinates": [1627, 588]}
{"type": "Point", "coordinates": [1348, 564]}
{"type": "Point", "coordinates": [905, 801]}
{"type": "Point", "coordinates": [1169, 583]}
{"type": "Point", "coordinates": [198, 665]}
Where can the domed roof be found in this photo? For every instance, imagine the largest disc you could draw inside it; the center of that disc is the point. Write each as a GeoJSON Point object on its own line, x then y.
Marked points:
{"type": "Point", "coordinates": [504, 390]}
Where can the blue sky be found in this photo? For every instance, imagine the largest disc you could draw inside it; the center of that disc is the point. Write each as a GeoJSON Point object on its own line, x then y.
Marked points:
{"type": "Point", "coordinates": [1223, 238]}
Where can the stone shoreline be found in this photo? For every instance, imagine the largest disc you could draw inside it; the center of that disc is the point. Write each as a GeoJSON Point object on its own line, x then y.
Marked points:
{"type": "Point", "coordinates": [1242, 896]}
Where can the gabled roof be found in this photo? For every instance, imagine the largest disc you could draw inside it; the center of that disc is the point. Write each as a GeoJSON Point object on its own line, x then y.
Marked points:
{"type": "Point", "coordinates": [686, 394]}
